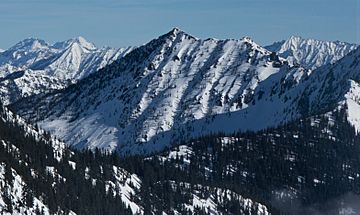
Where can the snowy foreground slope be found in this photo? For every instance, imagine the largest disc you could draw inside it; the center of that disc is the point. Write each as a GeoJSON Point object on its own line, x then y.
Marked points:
{"type": "Point", "coordinates": [15, 193]}
{"type": "Point", "coordinates": [41, 67]}
{"type": "Point", "coordinates": [178, 87]}
{"type": "Point", "coordinates": [40, 175]}
{"type": "Point", "coordinates": [311, 53]}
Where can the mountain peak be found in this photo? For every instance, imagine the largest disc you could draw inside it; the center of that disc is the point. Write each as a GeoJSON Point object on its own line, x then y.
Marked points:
{"type": "Point", "coordinates": [30, 43]}
{"type": "Point", "coordinates": [295, 37]}
{"type": "Point", "coordinates": [176, 31]}
{"type": "Point", "coordinates": [81, 41]}
{"type": "Point", "coordinates": [248, 39]}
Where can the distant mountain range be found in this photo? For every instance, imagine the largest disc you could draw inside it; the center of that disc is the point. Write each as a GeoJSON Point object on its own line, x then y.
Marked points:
{"type": "Point", "coordinates": [178, 87]}
{"type": "Point", "coordinates": [311, 53]}
{"type": "Point", "coordinates": [47, 67]}
{"type": "Point", "coordinates": [71, 59]}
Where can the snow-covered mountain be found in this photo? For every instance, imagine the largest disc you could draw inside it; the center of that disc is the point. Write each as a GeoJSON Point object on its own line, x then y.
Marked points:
{"type": "Point", "coordinates": [161, 86]}
{"type": "Point", "coordinates": [178, 87]}
{"type": "Point", "coordinates": [63, 62]}
{"type": "Point", "coordinates": [311, 53]}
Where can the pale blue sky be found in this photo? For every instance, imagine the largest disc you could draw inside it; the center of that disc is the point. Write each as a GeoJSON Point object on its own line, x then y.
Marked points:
{"type": "Point", "coordinates": [120, 23]}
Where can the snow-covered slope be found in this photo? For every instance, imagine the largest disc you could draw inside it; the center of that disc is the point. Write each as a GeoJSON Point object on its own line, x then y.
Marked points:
{"type": "Point", "coordinates": [214, 199]}
{"type": "Point", "coordinates": [15, 192]}
{"type": "Point", "coordinates": [352, 100]}
{"type": "Point", "coordinates": [311, 53]}
{"type": "Point", "coordinates": [337, 85]}
{"type": "Point", "coordinates": [22, 84]}
{"type": "Point", "coordinates": [63, 62]}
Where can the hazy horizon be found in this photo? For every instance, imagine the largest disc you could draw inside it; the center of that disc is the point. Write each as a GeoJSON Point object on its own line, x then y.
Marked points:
{"type": "Point", "coordinates": [120, 23]}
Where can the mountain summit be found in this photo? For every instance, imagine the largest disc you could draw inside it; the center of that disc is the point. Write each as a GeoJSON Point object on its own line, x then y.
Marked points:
{"type": "Point", "coordinates": [80, 41]}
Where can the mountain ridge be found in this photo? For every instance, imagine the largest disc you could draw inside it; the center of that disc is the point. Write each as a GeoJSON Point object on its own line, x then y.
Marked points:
{"type": "Point", "coordinates": [311, 53]}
